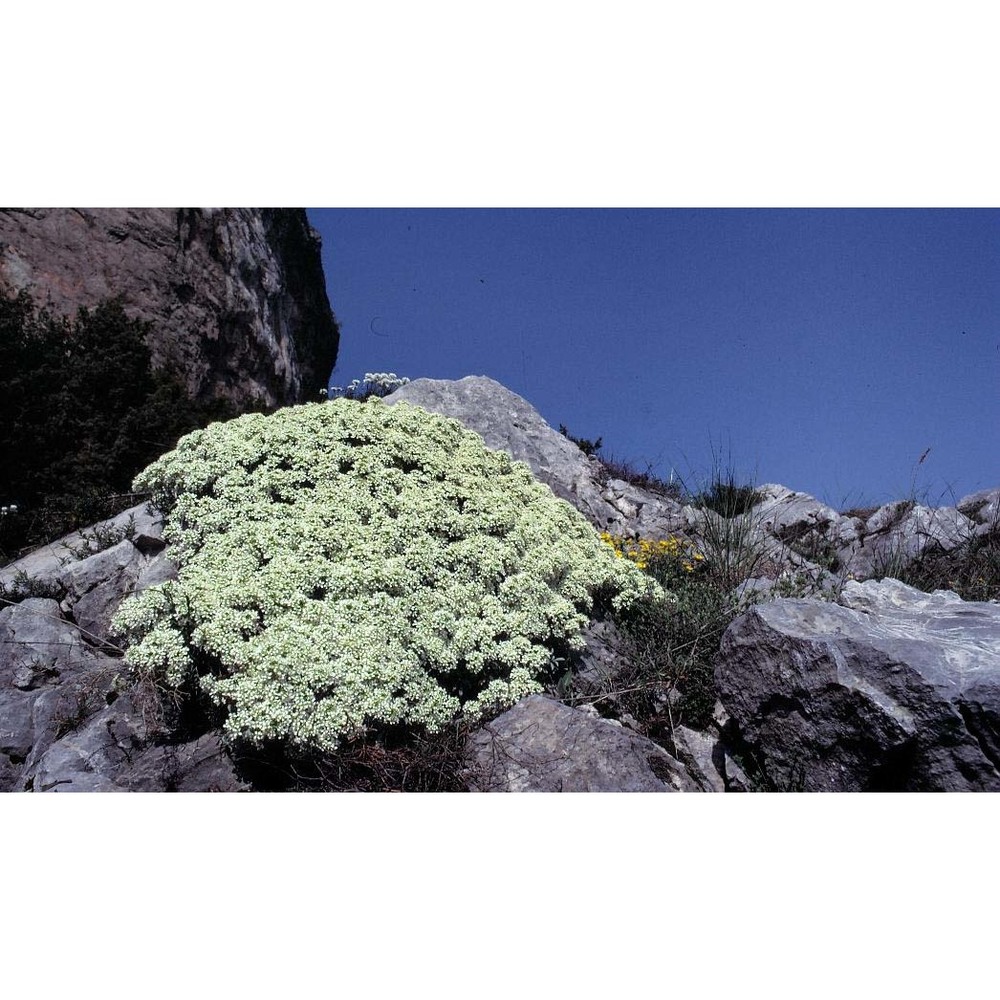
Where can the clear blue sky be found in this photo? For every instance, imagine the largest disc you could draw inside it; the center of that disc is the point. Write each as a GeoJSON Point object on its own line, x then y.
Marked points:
{"type": "Point", "coordinates": [822, 349]}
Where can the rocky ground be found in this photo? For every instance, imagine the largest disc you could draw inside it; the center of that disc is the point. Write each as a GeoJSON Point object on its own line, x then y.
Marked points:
{"type": "Point", "coordinates": [831, 680]}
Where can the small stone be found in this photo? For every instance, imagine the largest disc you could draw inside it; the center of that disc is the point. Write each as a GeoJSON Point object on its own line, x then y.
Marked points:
{"type": "Point", "coordinates": [24, 678]}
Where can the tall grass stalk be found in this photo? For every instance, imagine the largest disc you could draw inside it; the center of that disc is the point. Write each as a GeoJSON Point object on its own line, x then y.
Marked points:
{"type": "Point", "coordinates": [730, 530]}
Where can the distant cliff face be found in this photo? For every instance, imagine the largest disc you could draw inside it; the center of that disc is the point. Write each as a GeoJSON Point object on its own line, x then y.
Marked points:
{"type": "Point", "coordinates": [236, 295]}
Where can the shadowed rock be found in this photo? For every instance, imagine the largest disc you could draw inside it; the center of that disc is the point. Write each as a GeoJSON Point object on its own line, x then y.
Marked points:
{"type": "Point", "coordinates": [896, 690]}
{"type": "Point", "coordinates": [236, 296]}
{"type": "Point", "coordinates": [541, 745]}
{"type": "Point", "coordinates": [69, 721]}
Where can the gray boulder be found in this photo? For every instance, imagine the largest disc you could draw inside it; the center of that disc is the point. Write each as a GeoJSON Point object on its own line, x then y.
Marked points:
{"type": "Point", "coordinates": [113, 750]}
{"type": "Point", "coordinates": [806, 525]}
{"type": "Point", "coordinates": [983, 510]}
{"type": "Point", "coordinates": [541, 745]}
{"type": "Point", "coordinates": [200, 765]}
{"type": "Point", "coordinates": [69, 719]}
{"type": "Point", "coordinates": [506, 422]}
{"type": "Point", "coordinates": [897, 534]}
{"type": "Point", "coordinates": [94, 586]}
{"type": "Point", "coordinates": [44, 671]}
{"type": "Point", "coordinates": [646, 513]}
{"type": "Point", "coordinates": [894, 690]}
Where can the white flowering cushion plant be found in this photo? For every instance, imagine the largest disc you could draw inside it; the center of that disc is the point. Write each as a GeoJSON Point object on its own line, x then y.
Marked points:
{"type": "Point", "coordinates": [346, 567]}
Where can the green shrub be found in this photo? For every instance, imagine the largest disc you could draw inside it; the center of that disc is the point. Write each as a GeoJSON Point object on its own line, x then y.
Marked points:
{"type": "Point", "coordinates": [727, 497]}
{"type": "Point", "coordinates": [81, 412]}
{"type": "Point", "coordinates": [345, 569]}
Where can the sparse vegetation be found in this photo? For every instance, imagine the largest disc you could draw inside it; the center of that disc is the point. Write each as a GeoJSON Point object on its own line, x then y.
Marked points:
{"type": "Point", "coordinates": [862, 513]}
{"type": "Point", "coordinates": [616, 468]}
{"type": "Point", "coordinates": [726, 496]}
{"type": "Point", "coordinates": [398, 760]}
{"type": "Point", "coordinates": [587, 447]}
{"type": "Point", "coordinates": [666, 675]}
{"type": "Point", "coordinates": [972, 570]}
{"type": "Point", "coordinates": [730, 530]}
{"type": "Point", "coordinates": [23, 586]}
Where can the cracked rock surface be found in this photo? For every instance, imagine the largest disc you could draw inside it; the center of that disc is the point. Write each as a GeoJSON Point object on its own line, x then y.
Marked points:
{"type": "Point", "coordinates": [892, 690]}
{"type": "Point", "coordinates": [67, 723]}
{"type": "Point", "coordinates": [541, 745]}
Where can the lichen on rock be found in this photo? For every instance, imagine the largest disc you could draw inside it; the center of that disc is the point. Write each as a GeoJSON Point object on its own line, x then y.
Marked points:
{"type": "Point", "coordinates": [347, 566]}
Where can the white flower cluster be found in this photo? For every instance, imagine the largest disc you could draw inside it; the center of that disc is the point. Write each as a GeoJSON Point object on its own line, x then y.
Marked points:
{"type": "Point", "coordinates": [343, 566]}
{"type": "Point", "coordinates": [373, 384]}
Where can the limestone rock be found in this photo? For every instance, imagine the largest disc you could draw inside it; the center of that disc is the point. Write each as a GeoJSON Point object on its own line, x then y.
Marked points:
{"type": "Point", "coordinates": [90, 581]}
{"type": "Point", "coordinates": [646, 513]}
{"type": "Point", "coordinates": [68, 721]}
{"type": "Point", "coordinates": [805, 524]}
{"type": "Point", "coordinates": [897, 534]}
{"type": "Point", "coordinates": [200, 765]}
{"type": "Point", "coordinates": [894, 690]}
{"type": "Point", "coordinates": [86, 754]}
{"type": "Point", "coordinates": [541, 745]}
{"type": "Point", "coordinates": [506, 422]}
{"type": "Point", "coordinates": [706, 761]}
{"type": "Point", "coordinates": [236, 295]}
{"type": "Point", "coordinates": [39, 653]}
{"type": "Point", "coordinates": [111, 751]}
{"type": "Point", "coordinates": [983, 509]}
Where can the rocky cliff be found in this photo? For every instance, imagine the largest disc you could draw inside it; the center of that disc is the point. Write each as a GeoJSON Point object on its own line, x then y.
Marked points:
{"type": "Point", "coordinates": [236, 296]}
